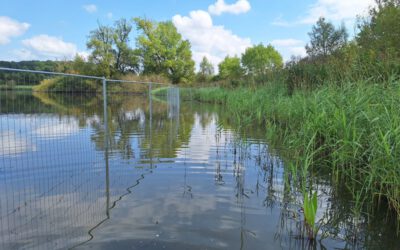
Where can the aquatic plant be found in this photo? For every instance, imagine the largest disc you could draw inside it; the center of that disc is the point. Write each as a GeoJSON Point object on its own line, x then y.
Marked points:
{"type": "Point", "coordinates": [310, 207]}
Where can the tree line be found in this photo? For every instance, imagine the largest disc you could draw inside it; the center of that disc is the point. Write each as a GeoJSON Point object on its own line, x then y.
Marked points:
{"type": "Point", "coordinates": [158, 49]}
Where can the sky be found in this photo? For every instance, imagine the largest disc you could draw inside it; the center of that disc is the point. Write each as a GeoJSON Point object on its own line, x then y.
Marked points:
{"type": "Point", "coordinates": [58, 30]}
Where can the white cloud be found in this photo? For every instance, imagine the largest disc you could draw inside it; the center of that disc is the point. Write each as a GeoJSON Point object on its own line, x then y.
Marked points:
{"type": "Point", "coordinates": [298, 51]}
{"type": "Point", "coordinates": [44, 46]}
{"type": "Point", "coordinates": [290, 47]}
{"type": "Point", "coordinates": [207, 39]}
{"type": "Point", "coordinates": [11, 28]}
{"type": "Point", "coordinates": [84, 55]}
{"type": "Point", "coordinates": [90, 8]}
{"type": "Point", "coordinates": [241, 6]}
{"type": "Point", "coordinates": [333, 10]}
{"type": "Point", "coordinates": [337, 10]}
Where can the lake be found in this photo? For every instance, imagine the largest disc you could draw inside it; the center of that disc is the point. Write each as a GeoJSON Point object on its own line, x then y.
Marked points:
{"type": "Point", "coordinates": [162, 174]}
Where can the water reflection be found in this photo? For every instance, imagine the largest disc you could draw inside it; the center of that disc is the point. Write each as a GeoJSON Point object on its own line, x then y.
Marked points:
{"type": "Point", "coordinates": [168, 175]}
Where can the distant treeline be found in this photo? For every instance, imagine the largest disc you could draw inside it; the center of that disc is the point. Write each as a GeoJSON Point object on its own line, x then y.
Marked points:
{"type": "Point", "coordinates": [372, 55]}
{"type": "Point", "coordinates": [13, 78]}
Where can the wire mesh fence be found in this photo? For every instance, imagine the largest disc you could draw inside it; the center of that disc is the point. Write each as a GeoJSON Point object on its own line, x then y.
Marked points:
{"type": "Point", "coordinates": [59, 137]}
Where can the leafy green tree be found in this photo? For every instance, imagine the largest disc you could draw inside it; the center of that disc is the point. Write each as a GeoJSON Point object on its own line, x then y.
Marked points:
{"type": "Point", "coordinates": [163, 51]}
{"type": "Point", "coordinates": [378, 41]}
{"type": "Point", "coordinates": [81, 66]}
{"type": "Point", "coordinates": [206, 70]}
{"type": "Point", "coordinates": [258, 60]}
{"type": "Point", "coordinates": [110, 49]}
{"type": "Point", "coordinates": [230, 68]}
{"type": "Point", "coordinates": [125, 58]}
{"type": "Point", "coordinates": [101, 44]}
{"type": "Point", "coordinates": [325, 39]}
{"type": "Point", "coordinates": [380, 33]}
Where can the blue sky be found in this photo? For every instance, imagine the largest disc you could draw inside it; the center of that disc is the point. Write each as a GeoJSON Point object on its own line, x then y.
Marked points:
{"type": "Point", "coordinates": [49, 29]}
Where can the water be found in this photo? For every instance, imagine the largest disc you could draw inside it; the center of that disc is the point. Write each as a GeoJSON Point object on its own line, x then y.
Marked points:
{"type": "Point", "coordinates": [172, 176]}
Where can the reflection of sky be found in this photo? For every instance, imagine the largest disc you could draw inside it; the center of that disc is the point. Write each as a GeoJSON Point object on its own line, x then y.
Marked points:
{"type": "Point", "coordinates": [201, 141]}
{"type": "Point", "coordinates": [60, 128]}
{"type": "Point", "coordinates": [52, 181]}
{"type": "Point", "coordinates": [181, 202]}
{"type": "Point", "coordinates": [137, 114]}
{"type": "Point", "coordinates": [12, 144]}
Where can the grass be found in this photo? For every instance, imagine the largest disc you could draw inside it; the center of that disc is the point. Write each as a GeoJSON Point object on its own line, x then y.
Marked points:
{"type": "Point", "coordinates": [352, 132]}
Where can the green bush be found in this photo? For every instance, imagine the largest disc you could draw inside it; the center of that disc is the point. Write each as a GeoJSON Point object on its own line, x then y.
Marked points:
{"type": "Point", "coordinates": [65, 84]}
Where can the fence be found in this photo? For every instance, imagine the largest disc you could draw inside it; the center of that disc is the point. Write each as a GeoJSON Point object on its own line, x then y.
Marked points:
{"type": "Point", "coordinates": [59, 173]}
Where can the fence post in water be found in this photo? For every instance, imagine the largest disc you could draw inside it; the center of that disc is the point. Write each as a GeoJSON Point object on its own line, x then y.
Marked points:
{"type": "Point", "coordinates": [150, 125]}
{"type": "Point", "coordinates": [106, 147]}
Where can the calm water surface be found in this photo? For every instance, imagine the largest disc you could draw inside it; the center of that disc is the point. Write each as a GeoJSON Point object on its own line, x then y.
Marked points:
{"type": "Point", "coordinates": [172, 175]}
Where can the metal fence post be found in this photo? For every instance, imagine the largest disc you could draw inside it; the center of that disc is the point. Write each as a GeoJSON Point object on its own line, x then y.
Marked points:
{"type": "Point", "coordinates": [107, 193]}
{"type": "Point", "coordinates": [105, 109]}
{"type": "Point", "coordinates": [150, 125]}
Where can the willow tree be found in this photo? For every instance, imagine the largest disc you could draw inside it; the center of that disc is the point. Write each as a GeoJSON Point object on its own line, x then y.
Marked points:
{"type": "Point", "coordinates": [163, 51]}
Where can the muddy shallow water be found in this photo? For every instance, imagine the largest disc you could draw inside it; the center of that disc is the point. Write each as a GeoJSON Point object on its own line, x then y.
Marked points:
{"type": "Point", "coordinates": [164, 175]}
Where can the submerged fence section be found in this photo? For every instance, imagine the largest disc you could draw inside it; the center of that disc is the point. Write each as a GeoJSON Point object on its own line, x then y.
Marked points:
{"type": "Point", "coordinates": [59, 134]}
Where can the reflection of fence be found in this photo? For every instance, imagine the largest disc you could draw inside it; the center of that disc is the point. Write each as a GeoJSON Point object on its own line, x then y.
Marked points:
{"type": "Point", "coordinates": [56, 155]}
{"type": "Point", "coordinates": [173, 102]}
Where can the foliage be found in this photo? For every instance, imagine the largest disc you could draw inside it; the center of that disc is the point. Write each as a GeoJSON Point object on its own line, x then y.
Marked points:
{"type": "Point", "coordinates": [25, 78]}
{"type": "Point", "coordinates": [65, 84]}
{"type": "Point", "coordinates": [310, 206]}
{"type": "Point", "coordinates": [231, 69]}
{"type": "Point", "coordinates": [374, 55]}
{"type": "Point", "coordinates": [163, 51]}
{"type": "Point", "coordinates": [206, 70]}
{"type": "Point", "coordinates": [125, 58]}
{"type": "Point", "coordinates": [352, 130]}
{"type": "Point", "coordinates": [110, 50]}
{"type": "Point", "coordinates": [379, 38]}
{"type": "Point", "coordinates": [101, 44]}
{"type": "Point", "coordinates": [325, 39]}
{"type": "Point", "coordinates": [259, 60]}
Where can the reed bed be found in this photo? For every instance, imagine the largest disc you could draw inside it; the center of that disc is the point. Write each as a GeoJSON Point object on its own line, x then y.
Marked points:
{"type": "Point", "coordinates": [352, 132]}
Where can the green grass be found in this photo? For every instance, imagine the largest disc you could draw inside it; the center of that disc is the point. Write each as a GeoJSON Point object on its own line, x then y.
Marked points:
{"type": "Point", "coordinates": [352, 132]}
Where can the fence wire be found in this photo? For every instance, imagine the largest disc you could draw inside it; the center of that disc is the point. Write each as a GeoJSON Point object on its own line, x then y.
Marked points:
{"type": "Point", "coordinates": [64, 159]}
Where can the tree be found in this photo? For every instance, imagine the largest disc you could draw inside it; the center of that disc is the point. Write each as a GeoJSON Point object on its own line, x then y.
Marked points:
{"type": "Point", "coordinates": [378, 41]}
{"type": "Point", "coordinates": [206, 70]}
{"type": "Point", "coordinates": [101, 42]}
{"type": "Point", "coordinates": [125, 58]}
{"type": "Point", "coordinates": [325, 39]}
{"type": "Point", "coordinates": [110, 49]}
{"type": "Point", "coordinates": [163, 51]}
{"type": "Point", "coordinates": [380, 33]}
{"type": "Point", "coordinates": [81, 66]}
{"type": "Point", "coordinates": [230, 68]}
{"type": "Point", "coordinates": [258, 60]}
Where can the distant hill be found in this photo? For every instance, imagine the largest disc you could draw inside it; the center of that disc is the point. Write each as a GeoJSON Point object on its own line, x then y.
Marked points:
{"type": "Point", "coordinates": [27, 78]}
